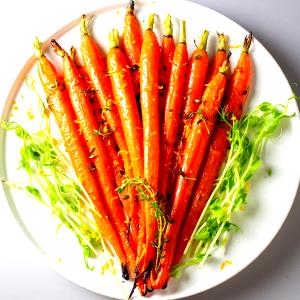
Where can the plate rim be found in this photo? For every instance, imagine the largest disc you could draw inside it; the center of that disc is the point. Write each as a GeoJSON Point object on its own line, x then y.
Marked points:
{"type": "Point", "coordinates": [102, 7]}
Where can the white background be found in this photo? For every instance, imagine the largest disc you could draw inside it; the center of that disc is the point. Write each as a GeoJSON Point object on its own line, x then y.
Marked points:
{"type": "Point", "coordinates": [23, 271]}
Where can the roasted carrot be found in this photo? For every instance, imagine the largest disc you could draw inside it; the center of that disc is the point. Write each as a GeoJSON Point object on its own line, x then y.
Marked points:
{"type": "Point", "coordinates": [195, 84]}
{"type": "Point", "coordinates": [60, 105]}
{"type": "Point", "coordinates": [151, 133]}
{"type": "Point", "coordinates": [131, 44]}
{"type": "Point", "coordinates": [172, 111]}
{"type": "Point", "coordinates": [88, 127]}
{"type": "Point", "coordinates": [235, 97]}
{"type": "Point", "coordinates": [104, 131]}
{"type": "Point", "coordinates": [166, 58]}
{"type": "Point", "coordinates": [194, 87]}
{"type": "Point", "coordinates": [96, 67]}
{"type": "Point", "coordinates": [123, 92]}
{"type": "Point", "coordinates": [219, 58]}
{"type": "Point", "coordinates": [192, 158]}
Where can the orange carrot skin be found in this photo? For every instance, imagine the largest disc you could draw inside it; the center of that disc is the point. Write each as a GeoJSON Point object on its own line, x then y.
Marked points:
{"type": "Point", "coordinates": [59, 103]}
{"type": "Point", "coordinates": [235, 97]}
{"type": "Point", "coordinates": [166, 58]}
{"type": "Point", "coordinates": [107, 138]}
{"type": "Point", "coordinates": [220, 57]}
{"type": "Point", "coordinates": [204, 185]}
{"type": "Point", "coordinates": [196, 78]}
{"type": "Point", "coordinates": [218, 61]}
{"type": "Point", "coordinates": [124, 95]}
{"type": "Point", "coordinates": [192, 158]}
{"type": "Point", "coordinates": [151, 131]}
{"type": "Point", "coordinates": [195, 84]}
{"type": "Point", "coordinates": [127, 108]}
{"type": "Point", "coordinates": [95, 63]}
{"type": "Point", "coordinates": [131, 44]}
{"type": "Point", "coordinates": [88, 126]}
{"type": "Point", "coordinates": [172, 115]}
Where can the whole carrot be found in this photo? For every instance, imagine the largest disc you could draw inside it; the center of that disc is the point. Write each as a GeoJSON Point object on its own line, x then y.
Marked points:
{"type": "Point", "coordinates": [234, 100]}
{"type": "Point", "coordinates": [192, 158]}
{"type": "Point", "coordinates": [96, 67]}
{"type": "Point", "coordinates": [219, 58]}
{"type": "Point", "coordinates": [172, 111]}
{"type": "Point", "coordinates": [60, 105]}
{"type": "Point", "coordinates": [166, 58]}
{"type": "Point", "coordinates": [124, 96]}
{"type": "Point", "coordinates": [131, 44]}
{"type": "Point", "coordinates": [150, 116]}
{"type": "Point", "coordinates": [88, 126]}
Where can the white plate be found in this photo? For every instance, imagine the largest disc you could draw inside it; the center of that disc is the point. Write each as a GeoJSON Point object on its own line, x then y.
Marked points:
{"type": "Point", "coordinates": [270, 198]}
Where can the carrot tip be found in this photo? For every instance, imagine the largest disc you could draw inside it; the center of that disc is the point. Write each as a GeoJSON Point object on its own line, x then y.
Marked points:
{"type": "Point", "coordinates": [247, 42]}
{"type": "Point", "coordinates": [125, 273]}
{"type": "Point", "coordinates": [130, 7]}
{"type": "Point", "coordinates": [57, 48]}
{"type": "Point", "coordinates": [222, 42]}
{"type": "Point", "coordinates": [203, 41]}
{"type": "Point", "coordinates": [168, 26]}
{"type": "Point", "coordinates": [150, 22]}
{"type": "Point", "coordinates": [38, 51]}
{"type": "Point", "coordinates": [114, 39]}
{"type": "Point", "coordinates": [182, 32]}
{"type": "Point", "coordinates": [84, 25]}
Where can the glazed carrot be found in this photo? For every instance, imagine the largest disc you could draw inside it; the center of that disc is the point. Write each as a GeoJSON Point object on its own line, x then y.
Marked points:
{"type": "Point", "coordinates": [103, 129]}
{"type": "Point", "coordinates": [88, 126]}
{"type": "Point", "coordinates": [60, 105]}
{"type": "Point", "coordinates": [166, 58]}
{"type": "Point", "coordinates": [172, 111]}
{"type": "Point", "coordinates": [96, 67]}
{"type": "Point", "coordinates": [124, 96]}
{"type": "Point", "coordinates": [235, 97]}
{"type": "Point", "coordinates": [195, 84]}
{"type": "Point", "coordinates": [131, 44]}
{"type": "Point", "coordinates": [149, 104]}
{"type": "Point", "coordinates": [219, 58]}
{"type": "Point", "coordinates": [192, 158]}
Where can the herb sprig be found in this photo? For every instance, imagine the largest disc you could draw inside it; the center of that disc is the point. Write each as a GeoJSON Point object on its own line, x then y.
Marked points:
{"type": "Point", "coordinates": [146, 193]}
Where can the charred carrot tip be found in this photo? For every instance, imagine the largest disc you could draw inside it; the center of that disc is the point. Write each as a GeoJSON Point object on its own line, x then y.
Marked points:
{"type": "Point", "coordinates": [38, 51]}
{"type": "Point", "coordinates": [247, 42]}
{"type": "Point", "coordinates": [73, 53]}
{"type": "Point", "coordinates": [57, 48]}
{"type": "Point", "coordinates": [83, 25]}
{"type": "Point", "coordinates": [114, 39]}
{"type": "Point", "coordinates": [168, 26]}
{"type": "Point", "coordinates": [182, 32]}
{"type": "Point", "coordinates": [150, 22]}
{"type": "Point", "coordinates": [203, 41]}
{"type": "Point", "coordinates": [222, 42]}
{"type": "Point", "coordinates": [130, 7]}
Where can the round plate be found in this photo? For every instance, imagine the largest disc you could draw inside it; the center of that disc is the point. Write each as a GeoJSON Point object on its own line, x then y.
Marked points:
{"type": "Point", "coordinates": [270, 198]}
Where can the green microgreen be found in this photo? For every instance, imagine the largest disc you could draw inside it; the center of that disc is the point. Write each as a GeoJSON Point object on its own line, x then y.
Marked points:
{"type": "Point", "coordinates": [247, 138]}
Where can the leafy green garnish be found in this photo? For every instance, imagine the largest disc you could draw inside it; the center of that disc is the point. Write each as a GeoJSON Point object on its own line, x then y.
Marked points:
{"type": "Point", "coordinates": [52, 182]}
{"type": "Point", "coordinates": [247, 138]}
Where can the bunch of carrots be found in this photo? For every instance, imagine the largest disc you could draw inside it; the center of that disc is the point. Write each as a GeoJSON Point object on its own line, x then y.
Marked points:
{"type": "Point", "coordinates": [142, 129]}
